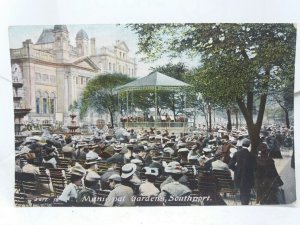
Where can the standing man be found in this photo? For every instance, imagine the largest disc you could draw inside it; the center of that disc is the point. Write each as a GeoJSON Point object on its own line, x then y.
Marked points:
{"type": "Point", "coordinates": [243, 163]}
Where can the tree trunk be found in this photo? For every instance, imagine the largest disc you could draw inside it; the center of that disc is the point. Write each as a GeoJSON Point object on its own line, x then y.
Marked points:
{"type": "Point", "coordinates": [286, 112]}
{"type": "Point", "coordinates": [209, 118]}
{"type": "Point", "coordinates": [111, 118]}
{"type": "Point", "coordinates": [237, 119]}
{"type": "Point", "coordinates": [174, 115]}
{"type": "Point", "coordinates": [253, 128]}
{"type": "Point", "coordinates": [229, 125]}
{"type": "Point", "coordinates": [287, 119]}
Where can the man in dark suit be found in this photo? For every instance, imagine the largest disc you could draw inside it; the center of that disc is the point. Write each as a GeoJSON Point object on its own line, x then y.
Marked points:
{"type": "Point", "coordinates": [243, 163]}
{"type": "Point", "coordinates": [118, 157]}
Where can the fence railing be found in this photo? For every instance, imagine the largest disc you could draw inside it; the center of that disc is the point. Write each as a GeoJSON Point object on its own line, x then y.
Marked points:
{"type": "Point", "coordinates": [156, 124]}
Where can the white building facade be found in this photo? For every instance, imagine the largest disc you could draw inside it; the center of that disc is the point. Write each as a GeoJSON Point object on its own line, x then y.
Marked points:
{"type": "Point", "coordinates": [55, 73]}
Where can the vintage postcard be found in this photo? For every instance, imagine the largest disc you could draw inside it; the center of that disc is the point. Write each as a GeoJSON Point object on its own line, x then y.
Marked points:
{"type": "Point", "coordinates": [175, 114]}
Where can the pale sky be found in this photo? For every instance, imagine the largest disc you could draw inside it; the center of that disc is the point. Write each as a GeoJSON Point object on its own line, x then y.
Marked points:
{"type": "Point", "coordinates": [105, 34]}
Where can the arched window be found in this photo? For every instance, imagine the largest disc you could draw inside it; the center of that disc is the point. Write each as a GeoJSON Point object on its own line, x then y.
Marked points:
{"type": "Point", "coordinates": [38, 102]}
{"type": "Point", "coordinates": [45, 103]}
{"type": "Point", "coordinates": [52, 103]}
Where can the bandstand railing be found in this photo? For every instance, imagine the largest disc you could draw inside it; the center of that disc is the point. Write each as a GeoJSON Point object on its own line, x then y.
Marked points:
{"type": "Point", "coordinates": [182, 126]}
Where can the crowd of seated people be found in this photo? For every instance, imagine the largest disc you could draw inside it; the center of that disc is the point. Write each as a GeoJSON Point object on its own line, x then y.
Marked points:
{"type": "Point", "coordinates": [145, 168]}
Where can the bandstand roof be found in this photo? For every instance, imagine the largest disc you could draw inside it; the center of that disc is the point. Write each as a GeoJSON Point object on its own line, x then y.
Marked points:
{"type": "Point", "coordinates": [153, 80]}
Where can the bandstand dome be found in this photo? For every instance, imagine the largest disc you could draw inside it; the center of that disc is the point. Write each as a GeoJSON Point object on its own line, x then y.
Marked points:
{"type": "Point", "coordinates": [153, 81]}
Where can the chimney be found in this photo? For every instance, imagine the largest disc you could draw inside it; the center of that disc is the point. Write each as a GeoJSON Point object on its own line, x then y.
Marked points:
{"type": "Point", "coordinates": [26, 43]}
{"type": "Point", "coordinates": [93, 46]}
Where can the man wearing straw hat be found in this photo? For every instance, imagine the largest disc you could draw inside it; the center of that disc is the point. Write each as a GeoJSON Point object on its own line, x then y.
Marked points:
{"type": "Point", "coordinates": [91, 161]}
{"type": "Point", "coordinates": [174, 188]}
{"type": "Point", "coordinates": [70, 192]}
{"type": "Point", "coordinates": [117, 157]}
{"type": "Point", "coordinates": [121, 195]}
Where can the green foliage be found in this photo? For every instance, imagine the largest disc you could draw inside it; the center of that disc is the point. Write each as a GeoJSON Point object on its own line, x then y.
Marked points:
{"type": "Point", "coordinates": [74, 106]}
{"type": "Point", "coordinates": [239, 62]}
{"type": "Point", "coordinates": [99, 93]}
{"type": "Point", "coordinates": [236, 58]}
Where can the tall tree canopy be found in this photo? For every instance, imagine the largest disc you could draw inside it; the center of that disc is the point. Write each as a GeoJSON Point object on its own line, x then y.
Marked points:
{"type": "Point", "coordinates": [99, 96]}
{"type": "Point", "coordinates": [240, 62]}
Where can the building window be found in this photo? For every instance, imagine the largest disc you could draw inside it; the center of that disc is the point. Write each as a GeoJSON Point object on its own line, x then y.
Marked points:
{"type": "Point", "coordinates": [76, 80]}
{"type": "Point", "coordinates": [52, 79]}
{"type": "Point", "coordinates": [114, 67]}
{"type": "Point", "coordinates": [37, 104]}
{"type": "Point", "coordinates": [45, 78]}
{"type": "Point", "coordinates": [132, 72]}
{"type": "Point", "coordinates": [109, 66]}
{"type": "Point", "coordinates": [38, 77]}
{"type": "Point", "coordinates": [123, 55]}
{"type": "Point", "coordinates": [129, 71]}
{"type": "Point", "coordinates": [120, 55]}
{"type": "Point", "coordinates": [51, 105]}
{"type": "Point", "coordinates": [44, 105]}
{"type": "Point", "coordinates": [81, 80]}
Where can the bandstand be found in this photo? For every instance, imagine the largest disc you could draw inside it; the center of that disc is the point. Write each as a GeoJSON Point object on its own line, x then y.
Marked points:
{"type": "Point", "coordinates": [154, 82]}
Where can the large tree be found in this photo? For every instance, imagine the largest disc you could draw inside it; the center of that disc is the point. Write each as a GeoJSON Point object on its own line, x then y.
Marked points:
{"type": "Point", "coordinates": [240, 62]}
{"type": "Point", "coordinates": [99, 94]}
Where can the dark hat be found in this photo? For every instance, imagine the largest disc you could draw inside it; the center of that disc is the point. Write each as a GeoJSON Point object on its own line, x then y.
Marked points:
{"type": "Point", "coordinates": [139, 148]}
{"type": "Point", "coordinates": [225, 137]}
{"type": "Point", "coordinates": [246, 142]}
{"type": "Point", "coordinates": [130, 146]}
{"type": "Point", "coordinates": [156, 155]}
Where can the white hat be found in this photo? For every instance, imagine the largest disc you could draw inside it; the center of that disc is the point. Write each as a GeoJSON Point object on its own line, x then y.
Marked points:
{"type": "Point", "coordinates": [181, 144]}
{"type": "Point", "coordinates": [169, 150]}
{"type": "Point", "coordinates": [183, 150]}
{"type": "Point", "coordinates": [118, 148]}
{"type": "Point", "coordinates": [24, 150]}
{"type": "Point", "coordinates": [77, 170]}
{"type": "Point", "coordinates": [175, 167]}
{"type": "Point", "coordinates": [128, 170]}
{"type": "Point", "coordinates": [92, 176]}
{"type": "Point", "coordinates": [92, 158]}
{"type": "Point", "coordinates": [67, 148]}
{"type": "Point", "coordinates": [132, 141]}
{"type": "Point", "coordinates": [151, 171]}
{"type": "Point", "coordinates": [36, 138]}
{"type": "Point", "coordinates": [115, 177]}
{"type": "Point", "coordinates": [81, 144]}
{"type": "Point", "coordinates": [137, 161]}
{"type": "Point", "coordinates": [207, 149]}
